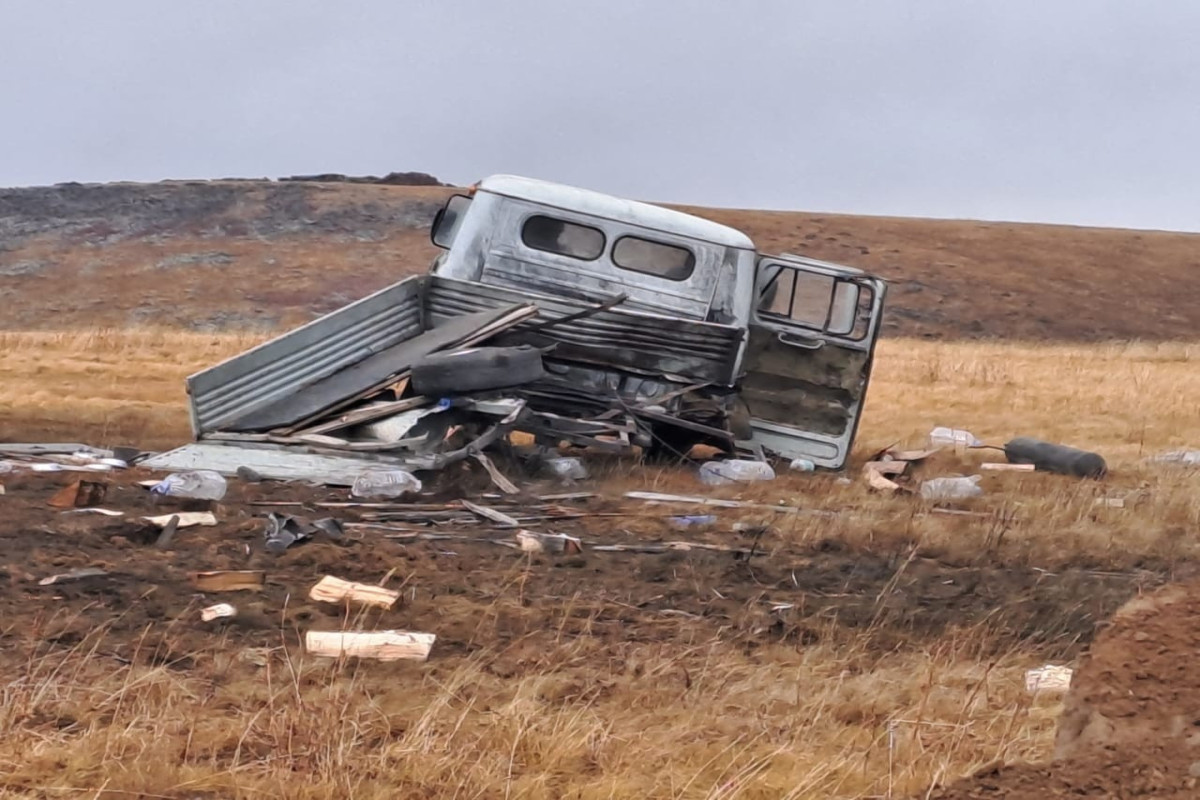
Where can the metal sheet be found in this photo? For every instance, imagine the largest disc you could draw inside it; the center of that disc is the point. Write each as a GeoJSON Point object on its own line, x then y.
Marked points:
{"type": "Point", "coordinates": [304, 356]}
{"type": "Point", "coordinates": [273, 463]}
{"type": "Point", "coordinates": [702, 351]}
{"type": "Point", "coordinates": [359, 376]}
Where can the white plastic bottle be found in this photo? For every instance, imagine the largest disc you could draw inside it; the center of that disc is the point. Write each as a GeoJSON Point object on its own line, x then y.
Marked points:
{"type": "Point", "coordinates": [392, 483]}
{"type": "Point", "coordinates": [952, 488]}
{"type": "Point", "coordinates": [951, 437]}
{"type": "Point", "coordinates": [200, 484]}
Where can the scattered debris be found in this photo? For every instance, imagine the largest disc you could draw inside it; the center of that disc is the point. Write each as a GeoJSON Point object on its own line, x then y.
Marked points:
{"type": "Point", "coordinates": [219, 611]}
{"type": "Point", "coordinates": [1058, 458]}
{"type": "Point", "coordinates": [107, 512]}
{"type": "Point", "coordinates": [1048, 678]}
{"type": "Point", "coordinates": [79, 494]}
{"type": "Point", "coordinates": [690, 521]}
{"type": "Point", "coordinates": [491, 514]}
{"type": "Point", "coordinates": [196, 485]}
{"type": "Point", "coordinates": [802, 465]}
{"type": "Point", "coordinates": [380, 645]}
{"type": "Point", "coordinates": [567, 468]}
{"type": "Point", "coordinates": [657, 497]}
{"type": "Point", "coordinates": [331, 589]}
{"type": "Point", "coordinates": [877, 480]}
{"type": "Point", "coordinates": [229, 580]}
{"type": "Point", "coordinates": [717, 473]}
{"type": "Point", "coordinates": [1110, 502]}
{"type": "Point", "coordinates": [168, 533]}
{"type": "Point", "coordinates": [952, 437]}
{"type": "Point", "coordinates": [954, 488]}
{"type": "Point", "coordinates": [183, 519]}
{"type": "Point", "coordinates": [1187, 458]}
{"type": "Point", "coordinates": [73, 575]}
{"type": "Point", "coordinates": [284, 530]}
{"type": "Point", "coordinates": [532, 542]}
{"type": "Point", "coordinates": [394, 483]}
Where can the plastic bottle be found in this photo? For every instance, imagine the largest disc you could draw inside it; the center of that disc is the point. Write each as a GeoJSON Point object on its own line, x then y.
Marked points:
{"type": "Point", "coordinates": [952, 488]}
{"type": "Point", "coordinates": [567, 468]}
{"type": "Point", "coordinates": [802, 465]}
{"type": "Point", "coordinates": [950, 437]}
{"type": "Point", "coordinates": [196, 485]}
{"type": "Point", "coordinates": [390, 483]}
{"type": "Point", "coordinates": [716, 473]}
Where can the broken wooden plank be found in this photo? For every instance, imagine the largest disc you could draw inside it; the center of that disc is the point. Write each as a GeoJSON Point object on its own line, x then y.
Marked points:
{"type": "Point", "coordinates": [498, 478]}
{"type": "Point", "coordinates": [498, 517]}
{"type": "Point", "coordinates": [331, 589]}
{"type": "Point", "coordinates": [184, 520]}
{"type": "Point", "coordinates": [73, 575]}
{"type": "Point", "coordinates": [886, 467]}
{"type": "Point", "coordinates": [656, 497]}
{"type": "Point", "coordinates": [237, 580]}
{"type": "Point", "coordinates": [218, 611]}
{"type": "Point", "coordinates": [379, 645]}
{"type": "Point", "coordinates": [1003, 467]}
{"type": "Point", "coordinates": [368, 413]}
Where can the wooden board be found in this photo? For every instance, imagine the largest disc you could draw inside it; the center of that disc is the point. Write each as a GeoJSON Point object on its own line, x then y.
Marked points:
{"type": "Point", "coordinates": [381, 645]}
{"type": "Point", "coordinates": [229, 580]}
{"type": "Point", "coordinates": [331, 589]}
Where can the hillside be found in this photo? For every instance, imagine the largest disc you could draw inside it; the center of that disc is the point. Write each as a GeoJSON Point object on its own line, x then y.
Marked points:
{"type": "Point", "coordinates": [219, 255]}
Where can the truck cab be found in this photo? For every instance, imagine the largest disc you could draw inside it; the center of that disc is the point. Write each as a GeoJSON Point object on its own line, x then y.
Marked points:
{"type": "Point", "coordinates": [676, 317]}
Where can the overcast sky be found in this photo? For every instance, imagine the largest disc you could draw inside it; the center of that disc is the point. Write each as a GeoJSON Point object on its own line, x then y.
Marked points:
{"type": "Point", "coordinates": [1078, 111]}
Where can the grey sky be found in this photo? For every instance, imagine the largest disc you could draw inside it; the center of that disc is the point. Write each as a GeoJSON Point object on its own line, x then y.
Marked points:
{"type": "Point", "coordinates": [1081, 111]}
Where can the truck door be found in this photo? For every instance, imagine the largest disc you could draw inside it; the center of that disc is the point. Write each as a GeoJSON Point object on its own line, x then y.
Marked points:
{"type": "Point", "coordinates": [808, 357]}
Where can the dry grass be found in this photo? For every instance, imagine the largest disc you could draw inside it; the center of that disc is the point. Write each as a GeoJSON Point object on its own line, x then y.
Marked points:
{"type": "Point", "coordinates": [573, 716]}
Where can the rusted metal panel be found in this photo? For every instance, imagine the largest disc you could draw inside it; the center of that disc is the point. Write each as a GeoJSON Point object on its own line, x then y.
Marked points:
{"type": "Point", "coordinates": [700, 351]}
{"type": "Point", "coordinates": [304, 356]}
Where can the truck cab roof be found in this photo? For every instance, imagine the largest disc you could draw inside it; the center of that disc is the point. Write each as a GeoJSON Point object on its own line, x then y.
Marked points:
{"type": "Point", "coordinates": [605, 206]}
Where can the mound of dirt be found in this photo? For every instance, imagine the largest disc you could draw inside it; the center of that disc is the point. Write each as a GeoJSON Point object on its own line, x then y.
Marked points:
{"type": "Point", "coordinates": [1131, 722]}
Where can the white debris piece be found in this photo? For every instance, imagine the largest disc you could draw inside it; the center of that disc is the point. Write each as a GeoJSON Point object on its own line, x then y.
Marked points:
{"type": "Point", "coordinates": [392, 483]}
{"type": "Point", "coordinates": [1049, 678]}
{"type": "Point", "coordinates": [717, 473]}
{"type": "Point", "coordinates": [958, 488]}
{"type": "Point", "coordinates": [218, 611]}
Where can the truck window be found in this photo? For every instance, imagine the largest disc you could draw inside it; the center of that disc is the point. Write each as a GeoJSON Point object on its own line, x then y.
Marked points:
{"type": "Point", "coordinates": [563, 238]}
{"type": "Point", "coordinates": [654, 258]}
{"type": "Point", "coordinates": [816, 301]}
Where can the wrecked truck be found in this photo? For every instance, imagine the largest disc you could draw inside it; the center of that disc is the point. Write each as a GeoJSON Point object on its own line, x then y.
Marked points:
{"type": "Point", "coordinates": [568, 314]}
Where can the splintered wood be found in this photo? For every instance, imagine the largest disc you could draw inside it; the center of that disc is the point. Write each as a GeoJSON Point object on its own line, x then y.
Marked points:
{"type": "Point", "coordinates": [380, 645]}
{"type": "Point", "coordinates": [331, 589]}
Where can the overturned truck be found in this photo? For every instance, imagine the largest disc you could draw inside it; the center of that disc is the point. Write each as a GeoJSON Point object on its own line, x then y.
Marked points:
{"type": "Point", "coordinates": [567, 314]}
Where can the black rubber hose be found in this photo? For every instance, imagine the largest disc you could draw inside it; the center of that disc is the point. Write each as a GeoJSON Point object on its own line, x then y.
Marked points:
{"type": "Point", "coordinates": [1050, 457]}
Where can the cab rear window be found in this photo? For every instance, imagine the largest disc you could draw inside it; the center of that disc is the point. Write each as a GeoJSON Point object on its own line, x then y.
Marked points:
{"type": "Point", "coordinates": [668, 261]}
{"type": "Point", "coordinates": [563, 238]}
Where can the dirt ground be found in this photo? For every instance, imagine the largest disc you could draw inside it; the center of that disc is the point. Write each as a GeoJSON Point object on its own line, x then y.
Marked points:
{"type": "Point", "coordinates": [765, 590]}
{"type": "Point", "coordinates": [1130, 722]}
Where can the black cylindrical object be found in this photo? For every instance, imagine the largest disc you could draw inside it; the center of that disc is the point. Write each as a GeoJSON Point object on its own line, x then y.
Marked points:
{"type": "Point", "coordinates": [1050, 457]}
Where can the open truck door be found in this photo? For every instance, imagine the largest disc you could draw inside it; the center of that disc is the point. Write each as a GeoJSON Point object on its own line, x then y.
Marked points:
{"type": "Point", "coordinates": [808, 357]}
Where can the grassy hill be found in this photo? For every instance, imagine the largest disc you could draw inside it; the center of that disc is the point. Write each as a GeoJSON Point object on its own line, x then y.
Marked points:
{"type": "Point", "coordinates": [239, 254]}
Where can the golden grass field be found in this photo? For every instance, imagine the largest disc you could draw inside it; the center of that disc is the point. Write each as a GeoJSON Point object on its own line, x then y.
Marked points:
{"type": "Point", "coordinates": [686, 714]}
